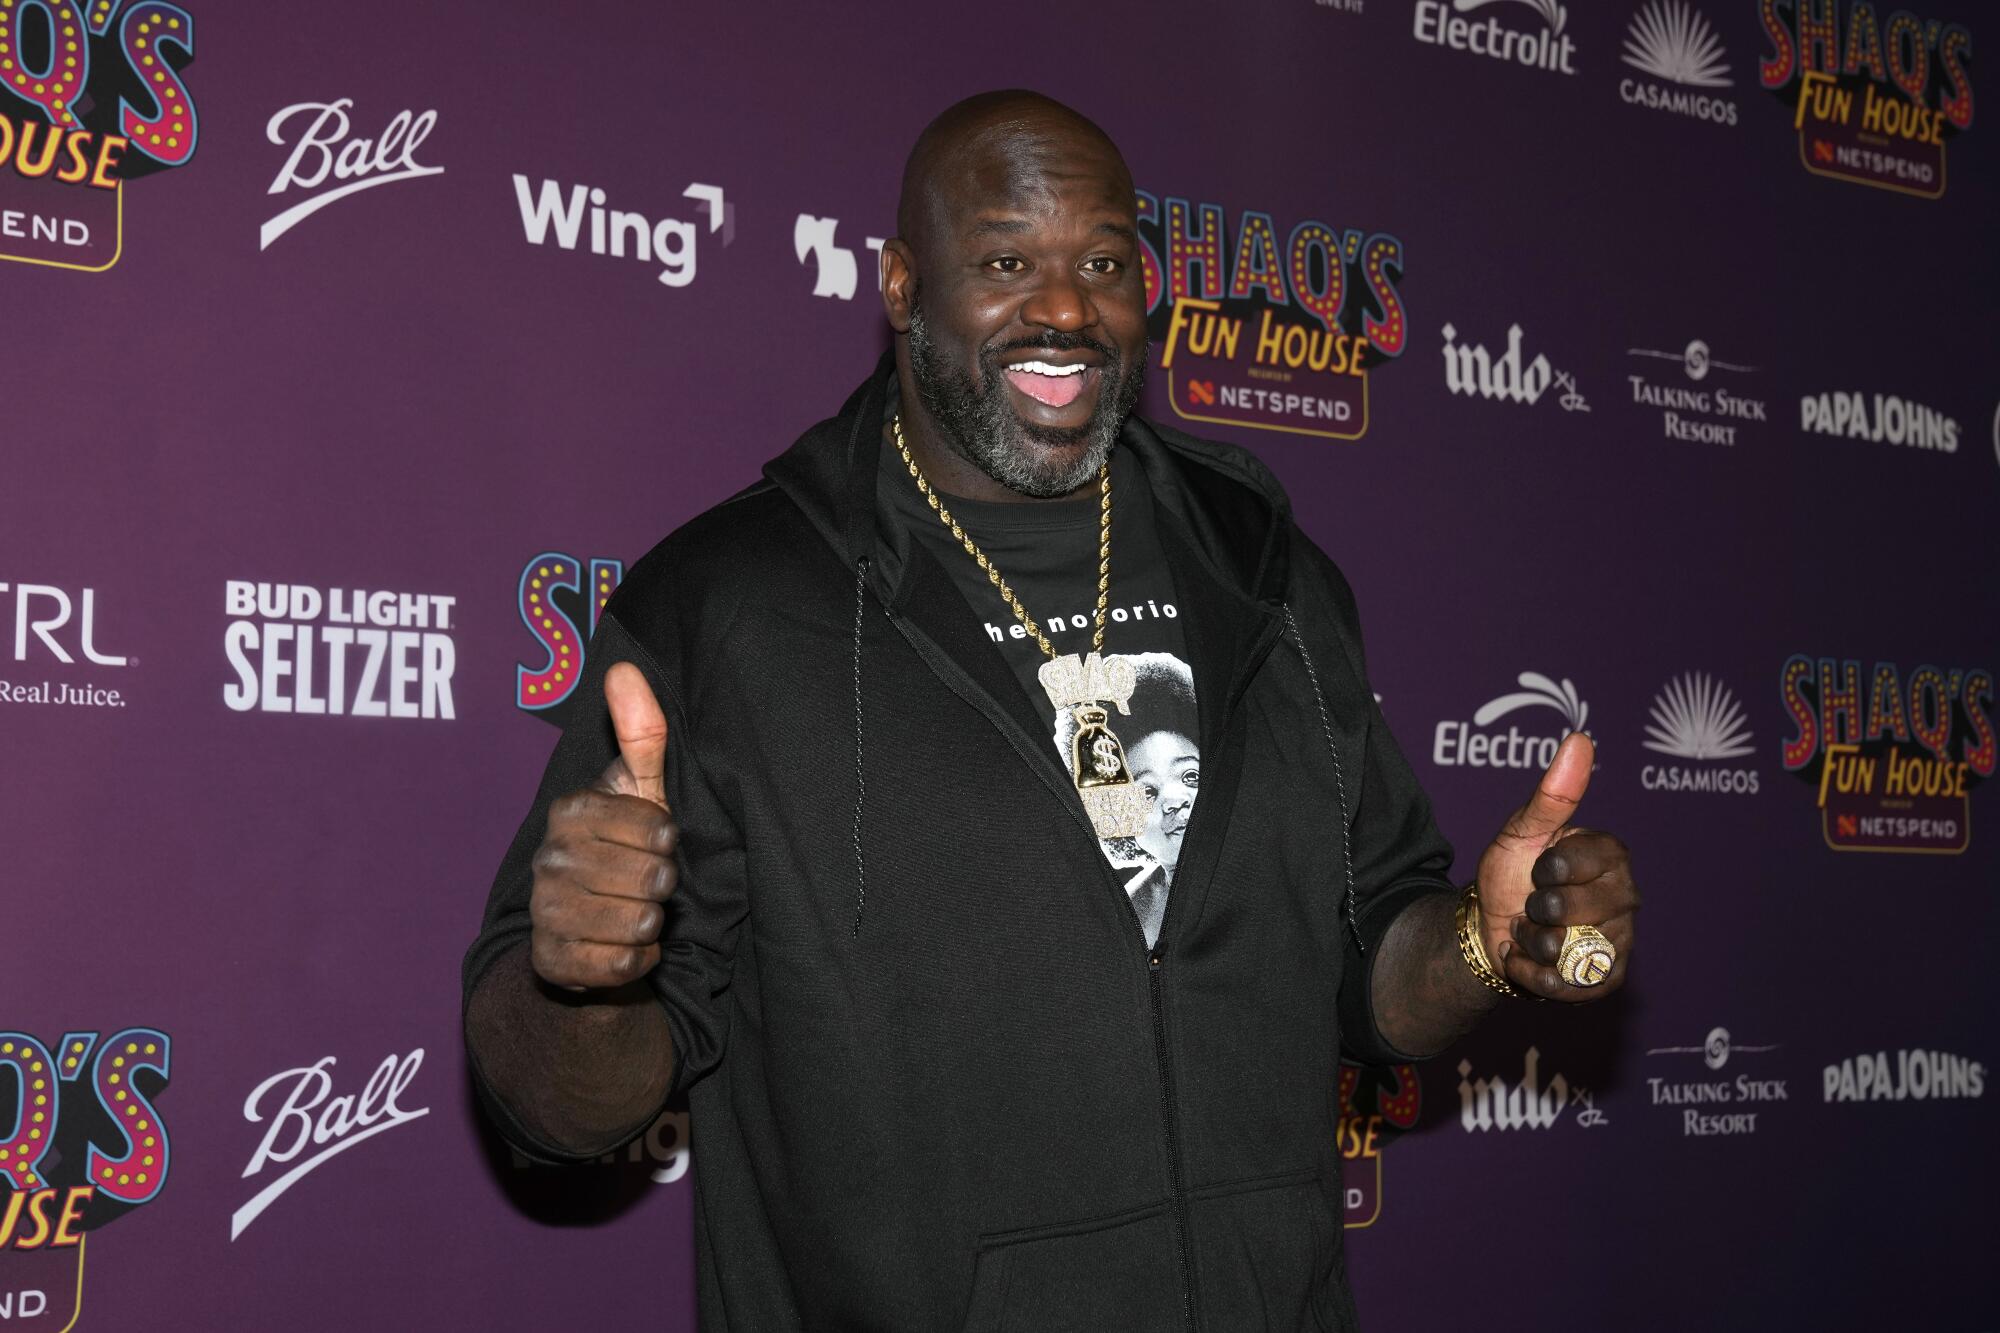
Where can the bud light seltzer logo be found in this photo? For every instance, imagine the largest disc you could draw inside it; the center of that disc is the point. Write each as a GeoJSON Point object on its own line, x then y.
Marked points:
{"type": "Point", "coordinates": [1893, 754]}
{"type": "Point", "coordinates": [1377, 1107]}
{"type": "Point", "coordinates": [1269, 327]}
{"type": "Point", "coordinates": [91, 96]}
{"type": "Point", "coordinates": [81, 1144]}
{"type": "Point", "coordinates": [560, 599]}
{"type": "Point", "coordinates": [1876, 94]}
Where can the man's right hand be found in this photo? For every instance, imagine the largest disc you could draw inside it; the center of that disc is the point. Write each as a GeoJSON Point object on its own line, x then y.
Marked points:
{"type": "Point", "coordinates": [605, 868]}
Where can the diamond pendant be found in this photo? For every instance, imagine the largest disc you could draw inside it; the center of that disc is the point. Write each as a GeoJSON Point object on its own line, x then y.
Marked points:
{"type": "Point", "coordinates": [1117, 806]}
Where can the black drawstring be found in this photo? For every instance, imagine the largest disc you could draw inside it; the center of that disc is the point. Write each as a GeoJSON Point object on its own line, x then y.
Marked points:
{"type": "Point", "coordinates": [1339, 779]}
{"type": "Point", "coordinates": [860, 778]}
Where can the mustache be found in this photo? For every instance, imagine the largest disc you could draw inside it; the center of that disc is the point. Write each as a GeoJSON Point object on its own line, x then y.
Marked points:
{"type": "Point", "coordinates": [1055, 340]}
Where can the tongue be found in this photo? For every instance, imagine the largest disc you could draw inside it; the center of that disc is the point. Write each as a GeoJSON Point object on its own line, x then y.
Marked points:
{"type": "Point", "coordinates": [1056, 391]}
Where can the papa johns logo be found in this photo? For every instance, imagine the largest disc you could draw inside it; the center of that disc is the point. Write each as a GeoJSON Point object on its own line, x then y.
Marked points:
{"type": "Point", "coordinates": [1269, 330]}
{"type": "Point", "coordinates": [1874, 102]}
{"type": "Point", "coordinates": [1894, 768]}
{"type": "Point", "coordinates": [87, 1145]}
{"type": "Point", "coordinates": [91, 98]}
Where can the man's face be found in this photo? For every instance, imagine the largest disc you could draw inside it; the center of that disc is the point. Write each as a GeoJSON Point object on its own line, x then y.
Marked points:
{"type": "Point", "coordinates": [1167, 767]}
{"type": "Point", "coordinates": [1028, 315]}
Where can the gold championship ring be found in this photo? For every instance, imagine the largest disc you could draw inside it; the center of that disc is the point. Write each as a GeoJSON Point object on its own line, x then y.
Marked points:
{"type": "Point", "coordinates": [1586, 956]}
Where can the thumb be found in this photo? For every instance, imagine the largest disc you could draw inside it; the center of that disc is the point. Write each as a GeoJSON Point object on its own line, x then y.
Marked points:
{"type": "Point", "coordinates": [641, 729]}
{"type": "Point", "coordinates": [1559, 793]}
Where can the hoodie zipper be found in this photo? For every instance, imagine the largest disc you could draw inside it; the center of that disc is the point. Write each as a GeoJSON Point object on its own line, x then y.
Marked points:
{"type": "Point", "coordinates": [1177, 1189]}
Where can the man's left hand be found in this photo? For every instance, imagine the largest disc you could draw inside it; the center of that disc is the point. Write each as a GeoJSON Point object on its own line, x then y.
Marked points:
{"type": "Point", "coordinates": [1541, 875]}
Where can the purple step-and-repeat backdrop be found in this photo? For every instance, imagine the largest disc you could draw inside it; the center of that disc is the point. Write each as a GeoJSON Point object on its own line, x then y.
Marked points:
{"type": "Point", "coordinates": [1636, 358]}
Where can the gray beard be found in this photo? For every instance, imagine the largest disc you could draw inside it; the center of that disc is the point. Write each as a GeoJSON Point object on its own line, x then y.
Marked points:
{"type": "Point", "coordinates": [979, 426]}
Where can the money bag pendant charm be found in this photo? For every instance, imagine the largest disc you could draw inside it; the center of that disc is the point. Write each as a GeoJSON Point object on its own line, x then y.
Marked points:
{"type": "Point", "coordinates": [1116, 805]}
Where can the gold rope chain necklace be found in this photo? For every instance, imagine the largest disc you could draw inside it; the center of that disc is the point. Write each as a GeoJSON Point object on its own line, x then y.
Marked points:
{"type": "Point", "coordinates": [1080, 685]}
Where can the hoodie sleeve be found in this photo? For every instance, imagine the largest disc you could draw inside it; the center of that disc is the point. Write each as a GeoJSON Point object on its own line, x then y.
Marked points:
{"type": "Point", "coordinates": [1399, 856]}
{"type": "Point", "coordinates": [699, 936]}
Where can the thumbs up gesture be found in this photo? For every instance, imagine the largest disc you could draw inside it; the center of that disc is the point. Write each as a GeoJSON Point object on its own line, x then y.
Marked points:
{"type": "Point", "coordinates": [605, 867]}
{"type": "Point", "coordinates": [1540, 875]}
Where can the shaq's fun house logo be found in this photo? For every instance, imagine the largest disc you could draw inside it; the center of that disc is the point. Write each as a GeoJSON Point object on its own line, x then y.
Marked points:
{"type": "Point", "coordinates": [1267, 328]}
{"type": "Point", "coordinates": [91, 98]}
{"type": "Point", "coordinates": [83, 1145]}
{"type": "Point", "coordinates": [1394, 1097]}
{"type": "Point", "coordinates": [1874, 100]}
{"type": "Point", "coordinates": [1893, 756]}
{"type": "Point", "coordinates": [560, 600]}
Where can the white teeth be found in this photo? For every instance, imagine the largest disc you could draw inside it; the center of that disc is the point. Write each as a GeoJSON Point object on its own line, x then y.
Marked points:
{"type": "Point", "coordinates": [1046, 368]}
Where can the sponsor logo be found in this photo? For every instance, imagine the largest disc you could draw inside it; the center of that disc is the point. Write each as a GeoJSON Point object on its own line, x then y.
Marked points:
{"type": "Point", "coordinates": [1269, 329]}
{"type": "Point", "coordinates": [1472, 745]}
{"type": "Point", "coordinates": [1472, 372]}
{"type": "Point", "coordinates": [581, 215]}
{"type": "Point", "coordinates": [308, 1125]}
{"type": "Point", "coordinates": [1495, 1104]}
{"type": "Point", "coordinates": [1695, 717]}
{"type": "Point", "coordinates": [836, 275]}
{"type": "Point", "coordinates": [91, 97]}
{"type": "Point", "coordinates": [1535, 39]}
{"type": "Point", "coordinates": [49, 626]}
{"type": "Point", "coordinates": [1878, 418]}
{"type": "Point", "coordinates": [302, 649]}
{"type": "Point", "coordinates": [1907, 1075]}
{"type": "Point", "coordinates": [1690, 407]}
{"type": "Point", "coordinates": [560, 612]}
{"type": "Point", "coordinates": [1875, 101]}
{"type": "Point", "coordinates": [86, 1146]}
{"type": "Point", "coordinates": [329, 163]}
{"type": "Point", "coordinates": [1671, 40]}
{"type": "Point", "coordinates": [1394, 1101]}
{"type": "Point", "coordinates": [661, 1153]}
{"type": "Point", "coordinates": [1341, 6]}
{"type": "Point", "coordinates": [1894, 770]}
{"type": "Point", "coordinates": [1694, 1100]}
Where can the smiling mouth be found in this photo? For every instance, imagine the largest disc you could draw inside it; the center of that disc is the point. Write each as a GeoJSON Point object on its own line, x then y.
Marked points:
{"type": "Point", "coordinates": [1050, 384]}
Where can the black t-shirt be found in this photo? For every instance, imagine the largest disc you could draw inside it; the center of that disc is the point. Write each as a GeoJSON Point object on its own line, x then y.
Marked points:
{"type": "Point", "coordinates": [1048, 552]}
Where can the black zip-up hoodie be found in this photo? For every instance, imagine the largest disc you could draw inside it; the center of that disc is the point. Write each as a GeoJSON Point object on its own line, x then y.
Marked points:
{"type": "Point", "coordinates": [936, 1078]}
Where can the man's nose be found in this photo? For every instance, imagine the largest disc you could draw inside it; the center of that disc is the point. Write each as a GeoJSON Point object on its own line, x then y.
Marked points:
{"type": "Point", "coordinates": [1059, 301]}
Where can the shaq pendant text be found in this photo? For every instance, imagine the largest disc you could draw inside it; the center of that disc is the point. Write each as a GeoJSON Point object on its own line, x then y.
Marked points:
{"type": "Point", "coordinates": [1117, 806]}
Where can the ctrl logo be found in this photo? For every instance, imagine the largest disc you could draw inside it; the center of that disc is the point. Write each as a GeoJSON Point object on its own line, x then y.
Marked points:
{"type": "Point", "coordinates": [42, 610]}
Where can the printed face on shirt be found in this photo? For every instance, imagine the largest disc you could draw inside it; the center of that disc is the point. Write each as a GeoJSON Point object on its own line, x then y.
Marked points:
{"type": "Point", "coordinates": [1167, 766]}
{"type": "Point", "coordinates": [1027, 313]}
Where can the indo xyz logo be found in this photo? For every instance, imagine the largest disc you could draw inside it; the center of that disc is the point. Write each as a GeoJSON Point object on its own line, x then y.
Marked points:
{"type": "Point", "coordinates": [81, 1144]}
{"type": "Point", "coordinates": [91, 97]}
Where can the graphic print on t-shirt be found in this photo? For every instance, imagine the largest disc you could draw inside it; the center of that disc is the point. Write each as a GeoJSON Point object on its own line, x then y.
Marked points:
{"type": "Point", "coordinates": [1048, 553]}
{"type": "Point", "coordinates": [1164, 759]}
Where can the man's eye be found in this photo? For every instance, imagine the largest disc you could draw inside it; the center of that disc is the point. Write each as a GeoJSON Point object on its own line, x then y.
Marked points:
{"type": "Point", "coordinates": [1103, 264]}
{"type": "Point", "coordinates": [1007, 263]}
{"type": "Point", "coordinates": [1191, 777]}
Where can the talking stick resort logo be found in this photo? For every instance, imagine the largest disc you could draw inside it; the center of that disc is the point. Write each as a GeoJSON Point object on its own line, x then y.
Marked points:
{"type": "Point", "coordinates": [81, 1145]}
{"type": "Point", "coordinates": [1693, 407]}
{"type": "Point", "coordinates": [91, 99]}
{"type": "Point", "coordinates": [1874, 100]}
{"type": "Point", "coordinates": [1670, 42]}
{"type": "Point", "coordinates": [1893, 756]}
{"type": "Point", "coordinates": [1267, 328]}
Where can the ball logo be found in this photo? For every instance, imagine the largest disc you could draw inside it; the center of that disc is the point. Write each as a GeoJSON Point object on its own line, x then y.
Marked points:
{"type": "Point", "coordinates": [91, 97]}
{"type": "Point", "coordinates": [560, 610]}
{"type": "Point", "coordinates": [1265, 328]}
{"type": "Point", "coordinates": [1874, 100]}
{"type": "Point", "coordinates": [1893, 763]}
{"type": "Point", "coordinates": [330, 163]}
{"type": "Point", "coordinates": [82, 1143]}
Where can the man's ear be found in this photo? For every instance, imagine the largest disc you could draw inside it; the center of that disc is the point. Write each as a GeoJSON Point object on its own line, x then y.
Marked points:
{"type": "Point", "coordinates": [899, 282]}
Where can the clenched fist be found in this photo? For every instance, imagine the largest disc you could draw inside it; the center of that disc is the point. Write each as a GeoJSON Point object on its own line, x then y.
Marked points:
{"type": "Point", "coordinates": [605, 868]}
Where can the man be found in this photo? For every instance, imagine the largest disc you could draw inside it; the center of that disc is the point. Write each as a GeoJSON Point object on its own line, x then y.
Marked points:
{"type": "Point", "coordinates": [810, 855]}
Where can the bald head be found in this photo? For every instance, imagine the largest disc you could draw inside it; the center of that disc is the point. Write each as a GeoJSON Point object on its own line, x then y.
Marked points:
{"type": "Point", "coordinates": [997, 146]}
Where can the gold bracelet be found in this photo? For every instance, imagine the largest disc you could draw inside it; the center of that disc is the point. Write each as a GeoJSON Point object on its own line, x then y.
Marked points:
{"type": "Point", "coordinates": [1472, 948]}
